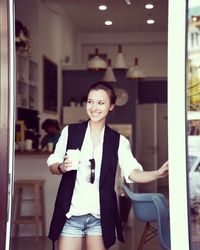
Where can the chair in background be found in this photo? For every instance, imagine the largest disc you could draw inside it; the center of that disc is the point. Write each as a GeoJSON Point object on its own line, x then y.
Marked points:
{"type": "Point", "coordinates": [148, 208]}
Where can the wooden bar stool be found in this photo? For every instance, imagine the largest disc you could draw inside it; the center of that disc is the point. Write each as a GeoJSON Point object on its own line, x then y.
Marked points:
{"type": "Point", "coordinates": [38, 218]}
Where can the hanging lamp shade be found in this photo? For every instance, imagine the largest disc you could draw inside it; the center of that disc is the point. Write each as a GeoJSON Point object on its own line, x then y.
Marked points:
{"type": "Point", "coordinates": [135, 72]}
{"type": "Point", "coordinates": [96, 63]}
{"type": "Point", "coordinates": [120, 62]}
{"type": "Point", "coordinates": [109, 74]}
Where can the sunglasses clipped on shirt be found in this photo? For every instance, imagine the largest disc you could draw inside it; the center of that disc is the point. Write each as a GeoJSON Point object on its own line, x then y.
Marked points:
{"type": "Point", "coordinates": [92, 170]}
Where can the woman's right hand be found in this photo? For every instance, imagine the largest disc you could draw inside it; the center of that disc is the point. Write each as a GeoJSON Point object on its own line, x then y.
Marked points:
{"type": "Point", "coordinates": [61, 168]}
{"type": "Point", "coordinates": [66, 165]}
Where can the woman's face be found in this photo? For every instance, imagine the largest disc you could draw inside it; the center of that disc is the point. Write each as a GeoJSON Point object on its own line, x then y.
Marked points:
{"type": "Point", "coordinates": [98, 105]}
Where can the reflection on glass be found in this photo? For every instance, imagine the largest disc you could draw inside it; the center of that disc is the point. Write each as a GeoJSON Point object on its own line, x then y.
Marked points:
{"type": "Point", "coordinates": [193, 120]}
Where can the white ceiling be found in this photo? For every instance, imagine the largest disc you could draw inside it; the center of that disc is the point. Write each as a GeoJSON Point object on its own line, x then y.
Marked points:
{"type": "Point", "coordinates": [126, 18]}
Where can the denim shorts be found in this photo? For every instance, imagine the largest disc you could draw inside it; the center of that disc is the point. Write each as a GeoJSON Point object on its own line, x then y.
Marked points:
{"type": "Point", "coordinates": [79, 226]}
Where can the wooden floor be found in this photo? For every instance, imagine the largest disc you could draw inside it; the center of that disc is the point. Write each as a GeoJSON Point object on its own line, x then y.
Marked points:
{"type": "Point", "coordinates": [132, 233]}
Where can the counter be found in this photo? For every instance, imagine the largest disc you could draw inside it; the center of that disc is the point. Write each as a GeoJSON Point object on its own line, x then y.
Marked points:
{"type": "Point", "coordinates": [32, 165]}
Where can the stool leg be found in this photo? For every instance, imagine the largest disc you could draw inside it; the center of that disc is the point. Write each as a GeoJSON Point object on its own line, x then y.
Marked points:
{"type": "Point", "coordinates": [37, 209]}
{"type": "Point", "coordinates": [15, 207]}
{"type": "Point", "coordinates": [42, 211]}
{"type": "Point", "coordinates": [16, 194]}
{"type": "Point", "coordinates": [18, 200]}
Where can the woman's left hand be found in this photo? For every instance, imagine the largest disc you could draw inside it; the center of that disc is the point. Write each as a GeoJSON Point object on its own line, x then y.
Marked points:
{"type": "Point", "coordinates": [148, 176]}
{"type": "Point", "coordinates": [163, 170]}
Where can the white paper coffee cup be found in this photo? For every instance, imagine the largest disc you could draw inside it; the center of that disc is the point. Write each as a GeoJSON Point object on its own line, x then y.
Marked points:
{"type": "Point", "coordinates": [50, 146]}
{"type": "Point", "coordinates": [74, 156]}
{"type": "Point", "coordinates": [28, 144]}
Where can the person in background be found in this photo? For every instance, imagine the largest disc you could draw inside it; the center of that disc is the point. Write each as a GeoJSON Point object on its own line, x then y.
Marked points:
{"type": "Point", "coordinates": [86, 203]}
{"type": "Point", "coordinates": [52, 129]}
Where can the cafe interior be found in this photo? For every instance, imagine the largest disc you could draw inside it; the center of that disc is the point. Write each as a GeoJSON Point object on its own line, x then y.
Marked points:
{"type": "Point", "coordinates": [62, 47]}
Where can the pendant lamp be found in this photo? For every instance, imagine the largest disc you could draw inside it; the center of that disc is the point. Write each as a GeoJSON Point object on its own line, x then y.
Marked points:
{"type": "Point", "coordinates": [96, 63]}
{"type": "Point", "coordinates": [120, 62]}
{"type": "Point", "coordinates": [109, 74]}
{"type": "Point", "coordinates": [135, 72]}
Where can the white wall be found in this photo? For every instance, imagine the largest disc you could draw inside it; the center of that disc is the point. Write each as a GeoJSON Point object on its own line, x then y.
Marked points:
{"type": "Point", "coordinates": [150, 48]}
{"type": "Point", "coordinates": [28, 14]}
{"type": "Point", "coordinates": [57, 39]}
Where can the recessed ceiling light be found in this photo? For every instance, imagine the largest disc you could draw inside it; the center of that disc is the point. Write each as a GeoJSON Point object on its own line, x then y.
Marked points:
{"type": "Point", "coordinates": [150, 21]}
{"type": "Point", "coordinates": [149, 6]}
{"type": "Point", "coordinates": [102, 7]}
{"type": "Point", "coordinates": [108, 22]}
{"type": "Point", "coordinates": [128, 2]}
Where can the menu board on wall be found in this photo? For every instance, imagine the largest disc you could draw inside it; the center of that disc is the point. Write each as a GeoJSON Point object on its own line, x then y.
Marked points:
{"type": "Point", "coordinates": [50, 85]}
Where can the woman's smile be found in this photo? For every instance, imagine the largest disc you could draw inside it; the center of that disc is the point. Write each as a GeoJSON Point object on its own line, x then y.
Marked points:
{"type": "Point", "coordinates": [94, 113]}
{"type": "Point", "coordinates": [98, 105]}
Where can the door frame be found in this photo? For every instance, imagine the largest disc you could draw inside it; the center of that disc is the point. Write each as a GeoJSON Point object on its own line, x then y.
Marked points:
{"type": "Point", "coordinates": [177, 135]}
{"type": "Point", "coordinates": [178, 186]}
{"type": "Point", "coordinates": [7, 117]}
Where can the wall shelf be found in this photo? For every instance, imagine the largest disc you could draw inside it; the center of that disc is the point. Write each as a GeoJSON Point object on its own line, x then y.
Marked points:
{"type": "Point", "coordinates": [27, 82]}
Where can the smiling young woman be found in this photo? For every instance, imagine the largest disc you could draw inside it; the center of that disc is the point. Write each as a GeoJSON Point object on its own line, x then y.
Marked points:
{"type": "Point", "coordinates": [86, 203]}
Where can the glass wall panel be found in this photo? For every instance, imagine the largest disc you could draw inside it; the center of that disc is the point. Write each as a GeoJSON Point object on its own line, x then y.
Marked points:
{"type": "Point", "coordinates": [193, 120]}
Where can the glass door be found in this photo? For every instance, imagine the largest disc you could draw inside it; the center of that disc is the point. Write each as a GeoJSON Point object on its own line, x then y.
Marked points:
{"type": "Point", "coordinates": [193, 120]}
{"type": "Point", "coordinates": [184, 123]}
{"type": "Point", "coordinates": [7, 104]}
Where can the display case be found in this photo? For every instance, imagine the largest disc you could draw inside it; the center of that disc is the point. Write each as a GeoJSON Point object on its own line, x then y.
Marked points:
{"type": "Point", "coordinates": [27, 82]}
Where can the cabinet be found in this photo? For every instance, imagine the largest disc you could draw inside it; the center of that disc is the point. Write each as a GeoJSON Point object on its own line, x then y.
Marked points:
{"type": "Point", "coordinates": [152, 141]}
{"type": "Point", "coordinates": [27, 82]}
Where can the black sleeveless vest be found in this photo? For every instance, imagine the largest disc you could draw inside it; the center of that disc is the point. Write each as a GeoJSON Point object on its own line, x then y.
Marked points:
{"type": "Point", "coordinates": [110, 221]}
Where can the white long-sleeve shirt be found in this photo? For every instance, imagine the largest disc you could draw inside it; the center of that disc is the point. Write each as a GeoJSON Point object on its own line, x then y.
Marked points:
{"type": "Point", "coordinates": [85, 197]}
